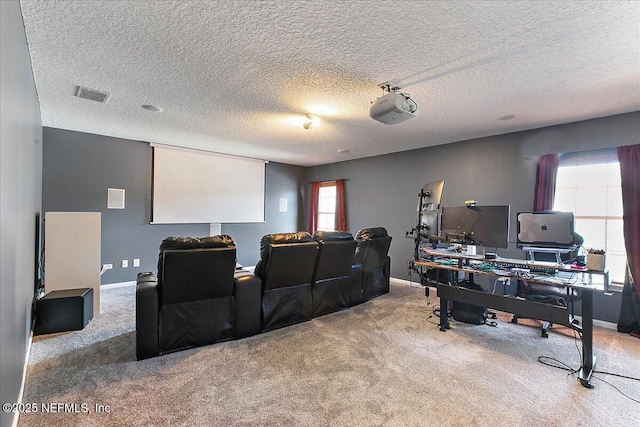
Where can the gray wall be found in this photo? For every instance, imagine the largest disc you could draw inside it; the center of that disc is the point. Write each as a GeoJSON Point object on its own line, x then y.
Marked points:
{"type": "Point", "coordinates": [20, 200]}
{"type": "Point", "coordinates": [79, 167]}
{"type": "Point", "coordinates": [498, 170]}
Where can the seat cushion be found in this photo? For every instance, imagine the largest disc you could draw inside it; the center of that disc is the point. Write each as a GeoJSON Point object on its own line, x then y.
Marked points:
{"type": "Point", "coordinates": [334, 259]}
{"type": "Point", "coordinates": [192, 266]}
{"type": "Point", "coordinates": [332, 236]}
{"type": "Point", "coordinates": [372, 253]}
{"type": "Point", "coordinates": [277, 239]}
{"type": "Point", "coordinates": [196, 242]}
{"type": "Point", "coordinates": [371, 233]}
{"type": "Point", "coordinates": [196, 274]}
{"type": "Point", "coordinates": [289, 264]}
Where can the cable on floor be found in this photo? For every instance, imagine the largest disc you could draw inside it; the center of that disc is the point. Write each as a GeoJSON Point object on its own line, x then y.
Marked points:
{"type": "Point", "coordinates": [561, 365]}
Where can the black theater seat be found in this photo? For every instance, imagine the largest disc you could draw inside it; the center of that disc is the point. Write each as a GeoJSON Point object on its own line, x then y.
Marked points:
{"type": "Point", "coordinates": [332, 287]}
{"type": "Point", "coordinates": [196, 299]}
{"type": "Point", "coordinates": [372, 254]}
{"type": "Point", "coordinates": [286, 265]}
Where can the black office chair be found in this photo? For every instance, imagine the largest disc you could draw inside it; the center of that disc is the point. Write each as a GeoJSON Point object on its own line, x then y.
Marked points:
{"type": "Point", "coordinates": [557, 295]}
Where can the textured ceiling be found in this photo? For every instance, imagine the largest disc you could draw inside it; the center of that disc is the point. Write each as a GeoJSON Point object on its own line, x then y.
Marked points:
{"type": "Point", "coordinates": [238, 77]}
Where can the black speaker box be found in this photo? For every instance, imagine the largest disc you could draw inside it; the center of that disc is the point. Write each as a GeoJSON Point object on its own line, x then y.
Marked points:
{"type": "Point", "coordinates": [64, 310]}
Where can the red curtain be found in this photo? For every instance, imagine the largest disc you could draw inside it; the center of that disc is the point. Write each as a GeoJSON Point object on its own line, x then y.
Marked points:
{"type": "Point", "coordinates": [629, 158]}
{"type": "Point", "coordinates": [341, 217]}
{"type": "Point", "coordinates": [313, 206]}
{"type": "Point", "coordinates": [545, 182]}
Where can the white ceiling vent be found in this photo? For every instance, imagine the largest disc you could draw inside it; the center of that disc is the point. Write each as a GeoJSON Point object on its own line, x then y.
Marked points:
{"type": "Point", "coordinates": [92, 94]}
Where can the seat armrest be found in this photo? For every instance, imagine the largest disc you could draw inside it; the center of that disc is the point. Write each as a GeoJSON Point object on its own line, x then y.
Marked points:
{"type": "Point", "coordinates": [355, 285]}
{"type": "Point", "coordinates": [248, 295]}
{"type": "Point", "coordinates": [146, 277]}
{"type": "Point", "coordinates": [147, 309]}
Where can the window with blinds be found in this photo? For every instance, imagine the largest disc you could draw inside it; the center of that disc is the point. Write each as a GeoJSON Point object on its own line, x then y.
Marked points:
{"type": "Point", "coordinates": [588, 184]}
{"type": "Point", "coordinates": [327, 206]}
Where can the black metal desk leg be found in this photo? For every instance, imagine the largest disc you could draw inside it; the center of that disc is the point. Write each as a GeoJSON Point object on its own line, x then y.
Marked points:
{"type": "Point", "coordinates": [444, 322]}
{"type": "Point", "coordinates": [588, 359]}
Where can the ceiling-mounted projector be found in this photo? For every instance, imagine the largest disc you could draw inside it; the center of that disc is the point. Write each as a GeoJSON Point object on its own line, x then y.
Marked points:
{"type": "Point", "coordinates": [392, 108]}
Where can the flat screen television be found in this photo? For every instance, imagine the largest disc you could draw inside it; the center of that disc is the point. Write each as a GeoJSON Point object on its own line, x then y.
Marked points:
{"type": "Point", "coordinates": [548, 229]}
{"type": "Point", "coordinates": [486, 226]}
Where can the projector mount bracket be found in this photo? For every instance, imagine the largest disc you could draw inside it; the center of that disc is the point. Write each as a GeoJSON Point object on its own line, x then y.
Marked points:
{"type": "Point", "coordinates": [388, 87]}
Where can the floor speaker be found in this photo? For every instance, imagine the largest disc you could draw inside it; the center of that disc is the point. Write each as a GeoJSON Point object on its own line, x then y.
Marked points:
{"type": "Point", "coordinates": [64, 310]}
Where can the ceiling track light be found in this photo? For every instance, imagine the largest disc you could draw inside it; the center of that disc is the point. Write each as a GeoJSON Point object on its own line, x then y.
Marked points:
{"type": "Point", "coordinates": [311, 122]}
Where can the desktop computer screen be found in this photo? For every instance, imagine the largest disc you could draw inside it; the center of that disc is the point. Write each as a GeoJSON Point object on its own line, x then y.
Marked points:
{"type": "Point", "coordinates": [486, 226]}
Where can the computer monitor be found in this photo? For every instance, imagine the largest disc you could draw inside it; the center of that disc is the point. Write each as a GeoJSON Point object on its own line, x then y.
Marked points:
{"type": "Point", "coordinates": [431, 196]}
{"type": "Point", "coordinates": [550, 229]}
{"type": "Point", "coordinates": [486, 226]}
{"type": "Point", "coordinates": [429, 225]}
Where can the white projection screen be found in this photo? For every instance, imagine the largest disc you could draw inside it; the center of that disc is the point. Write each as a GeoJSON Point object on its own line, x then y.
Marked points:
{"type": "Point", "coordinates": [199, 187]}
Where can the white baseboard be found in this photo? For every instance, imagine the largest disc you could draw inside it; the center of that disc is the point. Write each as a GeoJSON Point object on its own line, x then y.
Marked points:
{"type": "Point", "coordinates": [118, 285]}
{"type": "Point", "coordinates": [403, 282]}
{"type": "Point", "coordinates": [16, 414]}
{"type": "Point", "coordinates": [601, 323]}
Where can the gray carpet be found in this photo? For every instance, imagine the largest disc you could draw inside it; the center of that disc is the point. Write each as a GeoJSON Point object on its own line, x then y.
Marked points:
{"type": "Point", "coordinates": [378, 364]}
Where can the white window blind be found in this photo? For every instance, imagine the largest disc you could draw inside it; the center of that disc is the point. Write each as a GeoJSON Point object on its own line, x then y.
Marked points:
{"type": "Point", "coordinates": [588, 184]}
{"type": "Point", "coordinates": [327, 206]}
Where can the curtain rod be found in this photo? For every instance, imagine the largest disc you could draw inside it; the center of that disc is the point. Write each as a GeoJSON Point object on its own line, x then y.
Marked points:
{"type": "Point", "coordinates": [331, 180]}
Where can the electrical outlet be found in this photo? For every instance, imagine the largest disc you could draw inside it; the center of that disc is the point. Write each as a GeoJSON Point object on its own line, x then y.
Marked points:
{"type": "Point", "coordinates": [136, 262]}
{"type": "Point", "coordinates": [107, 266]}
{"type": "Point", "coordinates": [125, 263]}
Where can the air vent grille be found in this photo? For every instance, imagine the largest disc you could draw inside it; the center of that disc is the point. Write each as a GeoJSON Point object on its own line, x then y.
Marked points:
{"type": "Point", "coordinates": [91, 94]}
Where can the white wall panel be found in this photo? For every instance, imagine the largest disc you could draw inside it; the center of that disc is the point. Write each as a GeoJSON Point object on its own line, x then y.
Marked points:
{"type": "Point", "coordinates": [72, 252]}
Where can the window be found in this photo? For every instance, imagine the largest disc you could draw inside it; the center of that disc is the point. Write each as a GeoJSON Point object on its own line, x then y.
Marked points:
{"type": "Point", "coordinates": [589, 186]}
{"type": "Point", "coordinates": [327, 206]}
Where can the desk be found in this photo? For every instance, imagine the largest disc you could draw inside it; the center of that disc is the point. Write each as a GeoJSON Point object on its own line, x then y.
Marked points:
{"type": "Point", "coordinates": [476, 264]}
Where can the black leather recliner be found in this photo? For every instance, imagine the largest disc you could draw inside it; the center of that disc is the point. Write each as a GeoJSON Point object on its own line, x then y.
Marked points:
{"type": "Point", "coordinates": [286, 265]}
{"type": "Point", "coordinates": [333, 288]}
{"type": "Point", "coordinates": [372, 254]}
{"type": "Point", "coordinates": [196, 299]}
